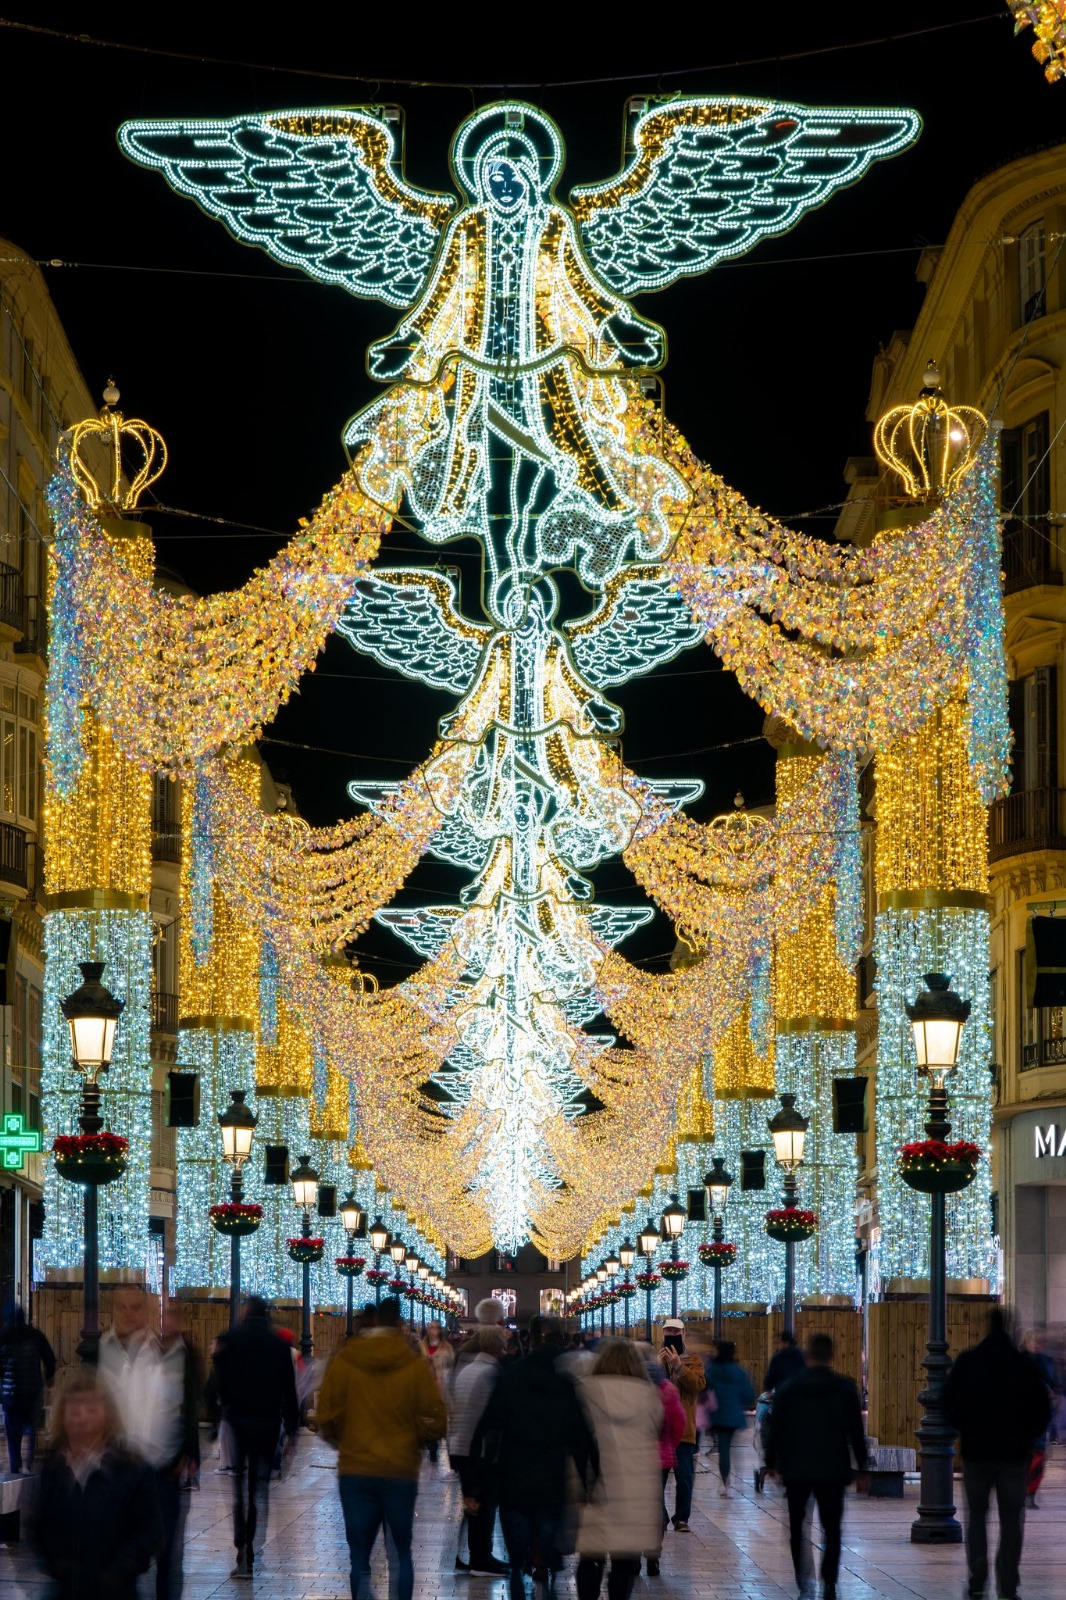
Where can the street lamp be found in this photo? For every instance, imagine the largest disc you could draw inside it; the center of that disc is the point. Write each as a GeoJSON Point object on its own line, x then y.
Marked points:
{"type": "Point", "coordinates": [718, 1183]}
{"type": "Point", "coordinates": [378, 1235]}
{"type": "Point", "coordinates": [352, 1215]}
{"type": "Point", "coordinates": [648, 1244]}
{"type": "Point", "coordinates": [936, 1017]}
{"type": "Point", "coordinates": [601, 1279]}
{"type": "Point", "coordinates": [674, 1218]}
{"type": "Point", "coordinates": [236, 1125]}
{"type": "Point", "coordinates": [423, 1274]}
{"type": "Point", "coordinates": [788, 1129]}
{"type": "Point", "coordinates": [626, 1255]}
{"type": "Point", "coordinates": [304, 1180]}
{"type": "Point", "coordinates": [612, 1266]}
{"type": "Point", "coordinates": [92, 1014]}
{"type": "Point", "coordinates": [410, 1262]}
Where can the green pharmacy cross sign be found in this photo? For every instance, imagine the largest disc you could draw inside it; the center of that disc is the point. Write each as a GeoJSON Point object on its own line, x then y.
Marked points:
{"type": "Point", "coordinates": [17, 1141]}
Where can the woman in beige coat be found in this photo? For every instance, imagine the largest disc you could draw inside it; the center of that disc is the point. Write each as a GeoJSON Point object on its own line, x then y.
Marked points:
{"type": "Point", "coordinates": [623, 1517]}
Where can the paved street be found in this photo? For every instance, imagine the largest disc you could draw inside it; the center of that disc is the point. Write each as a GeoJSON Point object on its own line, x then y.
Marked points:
{"type": "Point", "coordinates": [737, 1549]}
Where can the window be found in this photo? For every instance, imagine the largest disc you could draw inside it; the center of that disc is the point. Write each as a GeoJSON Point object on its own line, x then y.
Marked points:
{"type": "Point", "coordinates": [1032, 269]}
{"type": "Point", "coordinates": [1033, 707]}
{"type": "Point", "coordinates": [19, 774]}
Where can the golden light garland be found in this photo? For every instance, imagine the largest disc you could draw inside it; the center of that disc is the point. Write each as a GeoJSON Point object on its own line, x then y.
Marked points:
{"type": "Point", "coordinates": [741, 1072]}
{"type": "Point", "coordinates": [810, 981]}
{"type": "Point", "coordinates": [1047, 18]}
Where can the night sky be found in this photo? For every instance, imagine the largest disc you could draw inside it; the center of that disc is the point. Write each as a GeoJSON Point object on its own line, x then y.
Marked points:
{"type": "Point", "coordinates": [250, 371]}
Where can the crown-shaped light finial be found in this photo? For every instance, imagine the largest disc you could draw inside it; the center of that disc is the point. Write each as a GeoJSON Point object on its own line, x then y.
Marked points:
{"type": "Point", "coordinates": [112, 427]}
{"type": "Point", "coordinates": [930, 445]}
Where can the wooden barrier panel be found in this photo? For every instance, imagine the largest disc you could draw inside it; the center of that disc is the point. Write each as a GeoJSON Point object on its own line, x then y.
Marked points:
{"type": "Point", "coordinates": [843, 1324]}
{"type": "Point", "coordinates": [58, 1310]}
{"type": "Point", "coordinates": [898, 1333]}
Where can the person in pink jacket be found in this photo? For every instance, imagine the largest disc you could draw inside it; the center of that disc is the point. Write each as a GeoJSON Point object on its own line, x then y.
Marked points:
{"type": "Point", "coordinates": [672, 1430]}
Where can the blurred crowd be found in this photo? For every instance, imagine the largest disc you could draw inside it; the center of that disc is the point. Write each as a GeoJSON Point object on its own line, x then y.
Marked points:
{"type": "Point", "coordinates": [564, 1445]}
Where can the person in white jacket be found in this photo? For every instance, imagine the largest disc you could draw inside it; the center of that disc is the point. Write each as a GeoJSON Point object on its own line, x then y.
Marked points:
{"type": "Point", "coordinates": [623, 1516]}
{"type": "Point", "coordinates": [471, 1390]}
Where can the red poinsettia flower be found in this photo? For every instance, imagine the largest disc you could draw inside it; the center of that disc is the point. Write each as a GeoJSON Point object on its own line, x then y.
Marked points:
{"type": "Point", "coordinates": [793, 1214]}
{"type": "Point", "coordinates": [306, 1244]}
{"type": "Point", "coordinates": [235, 1208]}
{"type": "Point", "coordinates": [940, 1150]}
{"type": "Point", "coordinates": [69, 1146]}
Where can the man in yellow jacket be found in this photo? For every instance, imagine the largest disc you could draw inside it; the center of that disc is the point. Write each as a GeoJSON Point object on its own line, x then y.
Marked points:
{"type": "Point", "coordinates": [380, 1405]}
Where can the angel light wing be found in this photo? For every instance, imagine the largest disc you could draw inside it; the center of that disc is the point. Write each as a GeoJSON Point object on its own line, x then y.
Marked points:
{"type": "Point", "coordinates": [322, 190]}
{"type": "Point", "coordinates": [409, 619]}
{"type": "Point", "coordinates": [640, 622]}
{"type": "Point", "coordinates": [709, 177]}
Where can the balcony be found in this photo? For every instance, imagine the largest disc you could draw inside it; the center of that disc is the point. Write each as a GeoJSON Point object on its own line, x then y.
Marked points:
{"type": "Point", "coordinates": [13, 855]}
{"type": "Point", "coordinates": [1032, 819]}
{"type": "Point", "coordinates": [10, 596]}
{"type": "Point", "coordinates": [164, 1011]}
{"type": "Point", "coordinates": [1045, 1053]}
{"type": "Point", "coordinates": [166, 821]}
{"type": "Point", "coordinates": [33, 625]}
{"type": "Point", "coordinates": [1028, 555]}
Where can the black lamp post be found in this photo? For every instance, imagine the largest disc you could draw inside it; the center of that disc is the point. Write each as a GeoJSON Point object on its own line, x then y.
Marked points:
{"type": "Point", "coordinates": [601, 1279]}
{"type": "Point", "coordinates": [788, 1129]}
{"type": "Point", "coordinates": [937, 1017]}
{"type": "Point", "coordinates": [92, 1014]}
{"type": "Point", "coordinates": [612, 1266]}
{"type": "Point", "coordinates": [673, 1226]}
{"type": "Point", "coordinates": [626, 1256]}
{"type": "Point", "coordinates": [648, 1242]}
{"type": "Point", "coordinates": [304, 1180]}
{"type": "Point", "coordinates": [352, 1215]}
{"type": "Point", "coordinates": [379, 1242]}
{"type": "Point", "coordinates": [236, 1125]}
{"type": "Point", "coordinates": [410, 1261]}
{"type": "Point", "coordinates": [422, 1272]}
{"type": "Point", "coordinates": [718, 1183]}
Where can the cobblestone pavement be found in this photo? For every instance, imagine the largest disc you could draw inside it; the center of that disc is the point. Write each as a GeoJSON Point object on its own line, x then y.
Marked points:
{"type": "Point", "coordinates": [737, 1549]}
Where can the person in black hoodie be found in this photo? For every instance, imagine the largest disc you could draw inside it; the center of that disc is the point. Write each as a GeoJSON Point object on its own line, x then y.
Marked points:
{"type": "Point", "coordinates": [815, 1440]}
{"type": "Point", "coordinates": [996, 1397]}
{"type": "Point", "coordinates": [531, 1428]}
{"type": "Point", "coordinates": [256, 1389]}
{"type": "Point", "coordinates": [95, 1523]}
{"type": "Point", "coordinates": [786, 1361]}
{"type": "Point", "coordinates": [27, 1364]}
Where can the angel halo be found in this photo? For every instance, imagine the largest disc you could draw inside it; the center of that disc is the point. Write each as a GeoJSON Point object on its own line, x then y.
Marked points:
{"type": "Point", "coordinates": [515, 413]}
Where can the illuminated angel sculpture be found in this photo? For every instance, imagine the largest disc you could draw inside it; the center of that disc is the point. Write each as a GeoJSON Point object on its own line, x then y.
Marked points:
{"type": "Point", "coordinates": [515, 414]}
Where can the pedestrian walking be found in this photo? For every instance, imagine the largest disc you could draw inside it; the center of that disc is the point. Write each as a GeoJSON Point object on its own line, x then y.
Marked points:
{"type": "Point", "coordinates": [996, 1396]}
{"type": "Point", "coordinates": [441, 1357]}
{"type": "Point", "coordinates": [622, 1517]}
{"type": "Point", "coordinates": [27, 1366]}
{"type": "Point", "coordinates": [686, 1372]}
{"type": "Point", "coordinates": [379, 1404]}
{"type": "Point", "coordinates": [532, 1430]}
{"type": "Point", "coordinates": [256, 1389]}
{"type": "Point", "coordinates": [95, 1525]}
{"type": "Point", "coordinates": [471, 1392]}
{"type": "Point", "coordinates": [156, 1386]}
{"type": "Point", "coordinates": [815, 1443]}
{"type": "Point", "coordinates": [786, 1361]}
{"type": "Point", "coordinates": [670, 1436]}
{"type": "Point", "coordinates": [734, 1397]}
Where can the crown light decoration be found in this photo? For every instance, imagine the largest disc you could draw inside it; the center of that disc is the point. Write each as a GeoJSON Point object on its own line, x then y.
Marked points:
{"type": "Point", "coordinates": [931, 445]}
{"type": "Point", "coordinates": [486, 1091]}
{"type": "Point", "coordinates": [112, 428]}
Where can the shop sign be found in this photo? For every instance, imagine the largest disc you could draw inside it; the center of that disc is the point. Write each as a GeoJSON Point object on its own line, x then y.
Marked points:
{"type": "Point", "coordinates": [1048, 1141]}
{"type": "Point", "coordinates": [16, 1141]}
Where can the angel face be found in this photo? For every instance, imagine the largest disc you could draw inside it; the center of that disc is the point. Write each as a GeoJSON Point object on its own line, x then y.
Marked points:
{"type": "Point", "coordinates": [504, 185]}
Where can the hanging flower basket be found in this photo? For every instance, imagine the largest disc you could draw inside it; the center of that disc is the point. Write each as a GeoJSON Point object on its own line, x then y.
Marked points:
{"type": "Point", "coordinates": [935, 1167]}
{"type": "Point", "coordinates": [790, 1224]}
{"type": "Point", "coordinates": [376, 1275]}
{"type": "Point", "coordinates": [626, 1290]}
{"type": "Point", "coordinates": [235, 1219]}
{"type": "Point", "coordinates": [398, 1286]}
{"type": "Point", "coordinates": [718, 1254]}
{"type": "Point", "coordinates": [306, 1250]}
{"type": "Point", "coordinates": [648, 1281]}
{"type": "Point", "coordinates": [92, 1159]}
{"type": "Point", "coordinates": [675, 1270]}
{"type": "Point", "coordinates": [350, 1266]}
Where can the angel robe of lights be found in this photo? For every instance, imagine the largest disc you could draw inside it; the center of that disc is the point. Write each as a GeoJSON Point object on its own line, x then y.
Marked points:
{"type": "Point", "coordinates": [512, 416]}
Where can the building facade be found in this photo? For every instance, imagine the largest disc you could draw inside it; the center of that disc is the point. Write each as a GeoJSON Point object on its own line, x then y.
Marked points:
{"type": "Point", "coordinates": [994, 319]}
